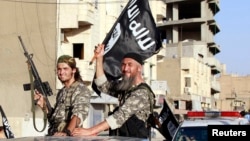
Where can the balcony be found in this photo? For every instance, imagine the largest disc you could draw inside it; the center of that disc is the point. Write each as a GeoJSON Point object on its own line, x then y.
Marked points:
{"type": "Point", "coordinates": [162, 53]}
{"type": "Point", "coordinates": [214, 6]}
{"type": "Point", "coordinates": [173, 1]}
{"type": "Point", "coordinates": [213, 26]}
{"type": "Point", "coordinates": [86, 13]}
{"type": "Point", "coordinates": [214, 64]}
{"type": "Point", "coordinates": [75, 15]}
{"type": "Point", "coordinates": [159, 7]}
{"type": "Point", "coordinates": [68, 14]}
{"type": "Point", "coordinates": [185, 63]}
{"type": "Point", "coordinates": [190, 21]}
{"type": "Point", "coordinates": [215, 87]}
{"type": "Point", "coordinates": [214, 48]}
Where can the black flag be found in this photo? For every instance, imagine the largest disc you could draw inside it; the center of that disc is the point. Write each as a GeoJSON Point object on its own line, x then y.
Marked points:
{"type": "Point", "coordinates": [134, 31]}
{"type": "Point", "coordinates": [168, 122]}
{"type": "Point", "coordinates": [6, 125]}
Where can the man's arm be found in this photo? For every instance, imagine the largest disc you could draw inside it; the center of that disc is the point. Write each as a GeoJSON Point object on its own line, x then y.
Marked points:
{"type": "Point", "coordinates": [80, 107]}
{"type": "Point", "coordinates": [74, 122]}
{"type": "Point", "coordinates": [41, 102]}
{"type": "Point", "coordinates": [102, 126]}
{"type": "Point", "coordinates": [99, 52]}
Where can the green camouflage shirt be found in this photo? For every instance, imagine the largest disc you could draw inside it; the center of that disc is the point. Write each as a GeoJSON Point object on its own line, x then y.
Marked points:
{"type": "Point", "coordinates": [135, 102]}
{"type": "Point", "coordinates": [74, 100]}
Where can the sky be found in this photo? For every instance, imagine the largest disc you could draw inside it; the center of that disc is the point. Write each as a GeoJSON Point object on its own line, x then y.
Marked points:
{"type": "Point", "coordinates": [233, 19]}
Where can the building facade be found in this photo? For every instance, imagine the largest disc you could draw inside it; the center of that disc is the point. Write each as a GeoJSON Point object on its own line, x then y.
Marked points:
{"type": "Point", "coordinates": [190, 66]}
{"type": "Point", "coordinates": [235, 92]}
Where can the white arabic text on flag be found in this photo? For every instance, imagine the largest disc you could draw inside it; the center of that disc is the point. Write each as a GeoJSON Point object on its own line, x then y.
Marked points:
{"type": "Point", "coordinates": [134, 31]}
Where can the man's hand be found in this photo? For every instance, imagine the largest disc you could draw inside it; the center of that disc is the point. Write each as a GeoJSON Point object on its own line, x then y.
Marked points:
{"type": "Point", "coordinates": [82, 132]}
{"type": "Point", "coordinates": [38, 97]}
{"type": "Point", "coordinates": [59, 134]}
{"type": "Point", "coordinates": [99, 51]}
{"type": "Point", "coordinates": [2, 134]}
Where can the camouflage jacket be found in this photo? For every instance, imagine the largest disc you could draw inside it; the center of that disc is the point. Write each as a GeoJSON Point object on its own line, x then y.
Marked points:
{"type": "Point", "coordinates": [74, 100]}
{"type": "Point", "coordinates": [132, 102]}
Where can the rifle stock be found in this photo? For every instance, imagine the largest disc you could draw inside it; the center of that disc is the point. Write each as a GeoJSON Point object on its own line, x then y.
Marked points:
{"type": "Point", "coordinates": [42, 87]}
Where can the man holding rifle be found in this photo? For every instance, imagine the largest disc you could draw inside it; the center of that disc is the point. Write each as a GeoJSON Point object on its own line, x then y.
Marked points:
{"type": "Point", "coordinates": [72, 101]}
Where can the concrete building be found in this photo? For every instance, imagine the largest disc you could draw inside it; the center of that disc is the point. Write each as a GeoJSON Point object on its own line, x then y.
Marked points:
{"type": "Point", "coordinates": [190, 66]}
{"type": "Point", "coordinates": [50, 28]}
{"type": "Point", "coordinates": [235, 92]}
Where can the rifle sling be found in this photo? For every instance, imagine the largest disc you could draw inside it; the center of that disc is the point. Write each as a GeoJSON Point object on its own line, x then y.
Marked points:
{"type": "Point", "coordinates": [33, 103]}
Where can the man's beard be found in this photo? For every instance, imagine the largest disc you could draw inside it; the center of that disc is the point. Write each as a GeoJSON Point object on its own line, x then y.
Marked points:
{"type": "Point", "coordinates": [125, 83]}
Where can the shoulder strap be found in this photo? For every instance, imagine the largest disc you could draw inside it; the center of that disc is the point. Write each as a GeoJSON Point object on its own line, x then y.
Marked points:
{"type": "Point", "coordinates": [151, 96]}
{"type": "Point", "coordinates": [33, 105]}
{"type": "Point", "coordinates": [147, 86]}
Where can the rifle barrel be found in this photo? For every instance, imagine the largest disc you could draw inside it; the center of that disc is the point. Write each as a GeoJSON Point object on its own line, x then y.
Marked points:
{"type": "Point", "coordinates": [38, 82]}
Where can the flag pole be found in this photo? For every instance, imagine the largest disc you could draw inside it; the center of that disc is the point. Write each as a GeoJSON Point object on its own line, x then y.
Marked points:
{"type": "Point", "coordinates": [109, 33]}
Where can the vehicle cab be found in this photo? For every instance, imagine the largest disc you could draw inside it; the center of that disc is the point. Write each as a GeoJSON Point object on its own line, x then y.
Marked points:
{"type": "Point", "coordinates": [194, 128]}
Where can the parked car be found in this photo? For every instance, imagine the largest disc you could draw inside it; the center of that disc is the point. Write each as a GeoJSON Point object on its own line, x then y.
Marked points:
{"type": "Point", "coordinates": [195, 127]}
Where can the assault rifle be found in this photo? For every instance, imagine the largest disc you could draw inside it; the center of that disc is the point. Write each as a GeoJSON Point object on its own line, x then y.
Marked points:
{"type": "Point", "coordinates": [42, 87]}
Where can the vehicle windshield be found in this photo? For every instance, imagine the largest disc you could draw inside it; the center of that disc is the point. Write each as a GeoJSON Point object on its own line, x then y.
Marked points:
{"type": "Point", "coordinates": [191, 134]}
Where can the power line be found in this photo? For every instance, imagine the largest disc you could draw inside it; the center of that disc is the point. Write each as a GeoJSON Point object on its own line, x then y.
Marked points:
{"type": "Point", "coordinates": [67, 3]}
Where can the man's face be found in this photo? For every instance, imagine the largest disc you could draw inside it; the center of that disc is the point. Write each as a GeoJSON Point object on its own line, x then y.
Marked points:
{"type": "Point", "coordinates": [129, 73]}
{"type": "Point", "coordinates": [65, 72]}
{"type": "Point", "coordinates": [129, 67]}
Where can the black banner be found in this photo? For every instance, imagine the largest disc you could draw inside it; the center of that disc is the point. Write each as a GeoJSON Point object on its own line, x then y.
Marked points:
{"type": "Point", "coordinates": [6, 126]}
{"type": "Point", "coordinates": [134, 31]}
{"type": "Point", "coordinates": [169, 123]}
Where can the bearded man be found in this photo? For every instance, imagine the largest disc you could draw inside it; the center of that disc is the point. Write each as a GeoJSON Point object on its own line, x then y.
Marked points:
{"type": "Point", "coordinates": [135, 97]}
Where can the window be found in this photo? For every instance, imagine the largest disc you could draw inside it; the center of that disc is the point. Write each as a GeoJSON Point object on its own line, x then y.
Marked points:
{"type": "Point", "coordinates": [191, 133]}
{"type": "Point", "coordinates": [187, 82]}
{"type": "Point", "coordinates": [78, 51]}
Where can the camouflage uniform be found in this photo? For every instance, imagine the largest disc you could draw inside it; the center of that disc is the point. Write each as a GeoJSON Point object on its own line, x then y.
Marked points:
{"type": "Point", "coordinates": [136, 102]}
{"type": "Point", "coordinates": [71, 101]}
